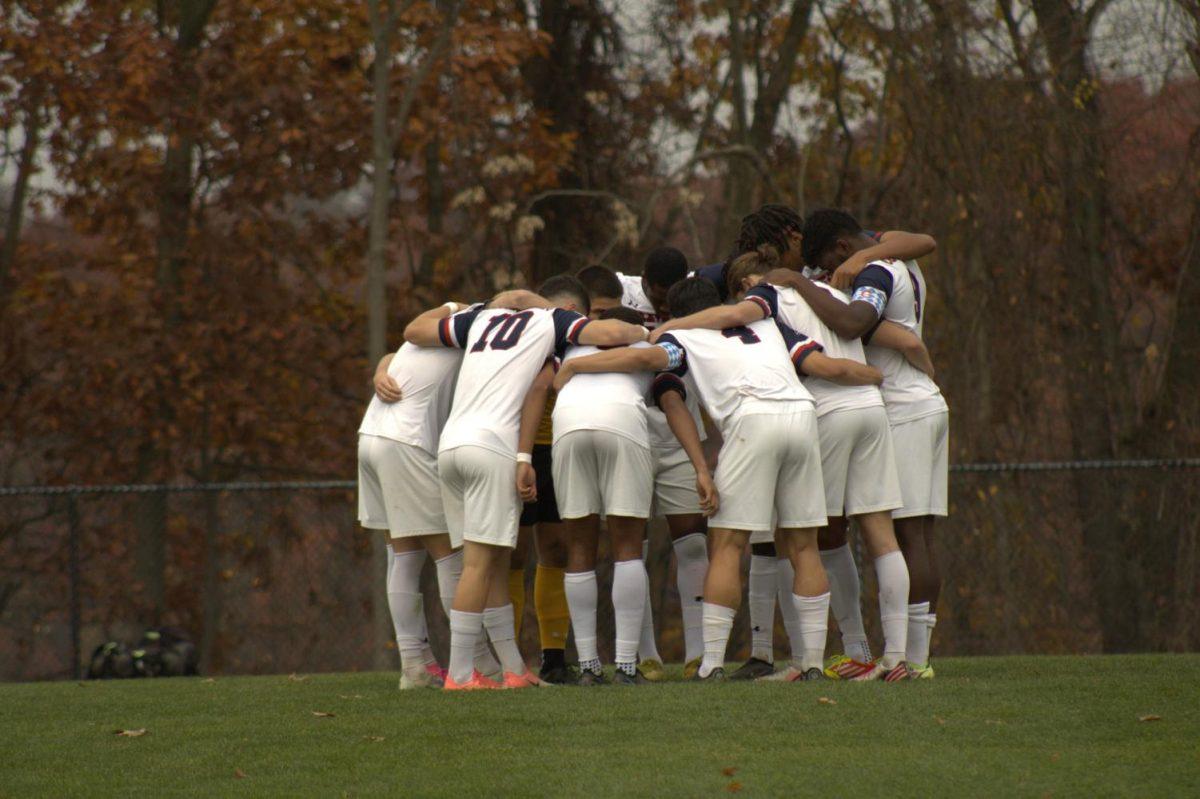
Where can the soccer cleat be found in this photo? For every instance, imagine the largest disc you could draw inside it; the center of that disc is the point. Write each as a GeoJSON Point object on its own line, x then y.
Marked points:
{"type": "Point", "coordinates": [477, 683]}
{"type": "Point", "coordinates": [812, 675]}
{"type": "Point", "coordinates": [651, 670]}
{"type": "Point", "coordinates": [589, 678]}
{"type": "Point", "coordinates": [880, 672]}
{"type": "Point", "coordinates": [753, 669]}
{"type": "Point", "coordinates": [790, 674]}
{"type": "Point", "coordinates": [690, 668]}
{"type": "Point", "coordinates": [621, 678]}
{"type": "Point", "coordinates": [844, 667]}
{"type": "Point", "coordinates": [716, 675]}
{"type": "Point", "coordinates": [434, 670]}
{"type": "Point", "coordinates": [921, 672]}
{"type": "Point", "coordinates": [425, 678]}
{"type": "Point", "coordinates": [525, 680]}
{"type": "Point", "coordinates": [559, 674]}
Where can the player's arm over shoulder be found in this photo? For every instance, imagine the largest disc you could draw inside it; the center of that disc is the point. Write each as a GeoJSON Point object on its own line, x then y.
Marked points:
{"type": "Point", "coordinates": [847, 320]}
{"type": "Point", "coordinates": [427, 329]}
{"type": "Point", "coordinates": [610, 333]}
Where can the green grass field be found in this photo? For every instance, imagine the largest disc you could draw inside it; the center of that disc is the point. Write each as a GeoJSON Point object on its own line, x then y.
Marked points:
{"type": "Point", "coordinates": [1007, 726]}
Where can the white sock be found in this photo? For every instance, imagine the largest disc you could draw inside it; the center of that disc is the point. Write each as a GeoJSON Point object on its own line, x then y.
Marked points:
{"type": "Point", "coordinates": [407, 606]}
{"type": "Point", "coordinates": [930, 622]}
{"type": "Point", "coordinates": [629, 597]}
{"type": "Point", "coordinates": [762, 607]}
{"type": "Point", "coordinates": [581, 602]}
{"type": "Point", "coordinates": [845, 599]}
{"type": "Point", "coordinates": [917, 648]}
{"type": "Point", "coordinates": [501, 631]}
{"type": "Point", "coordinates": [647, 646]}
{"type": "Point", "coordinates": [814, 626]}
{"type": "Point", "coordinates": [718, 622]}
{"type": "Point", "coordinates": [691, 565]}
{"type": "Point", "coordinates": [891, 572]}
{"type": "Point", "coordinates": [786, 575]}
{"type": "Point", "coordinates": [464, 634]}
{"type": "Point", "coordinates": [449, 570]}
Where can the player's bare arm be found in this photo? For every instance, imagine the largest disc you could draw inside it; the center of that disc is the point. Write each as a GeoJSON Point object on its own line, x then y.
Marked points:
{"type": "Point", "coordinates": [623, 359]}
{"type": "Point", "coordinates": [842, 371]}
{"type": "Point", "coordinates": [423, 331]}
{"type": "Point", "coordinates": [386, 388]}
{"type": "Point", "coordinates": [894, 244]}
{"type": "Point", "coordinates": [611, 333]}
{"type": "Point", "coordinates": [719, 317]}
{"type": "Point", "coordinates": [519, 300]}
{"type": "Point", "coordinates": [907, 343]}
{"type": "Point", "coordinates": [684, 427]}
{"type": "Point", "coordinates": [848, 321]}
{"type": "Point", "coordinates": [531, 416]}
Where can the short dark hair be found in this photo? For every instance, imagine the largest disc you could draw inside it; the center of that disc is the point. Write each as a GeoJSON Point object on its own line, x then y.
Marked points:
{"type": "Point", "coordinates": [691, 295]}
{"type": "Point", "coordinates": [822, 228]}
{"type": "Point", "coordinates": [623, 313]}
{"type": "Point", "coordinates": [770, 224]}
{"type": "Point", "coordinates": [664, 266]}
{"type": "Point", "coordinates": [600, 281]}
{"type": "Point", "coordinates": [563, 286]}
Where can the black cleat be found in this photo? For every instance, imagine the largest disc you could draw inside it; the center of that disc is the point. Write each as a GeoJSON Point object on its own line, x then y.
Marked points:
{"type": "Point", "coordinates": [716, 675]}
{"type": "Point", "coordinates": [560, 674]}
{"type": "Point", "coordinates": [621, 678]}
{"type": "Point", "coordinates": [753, 669]}
{"type": "Point", "coordinates": [590, 678]}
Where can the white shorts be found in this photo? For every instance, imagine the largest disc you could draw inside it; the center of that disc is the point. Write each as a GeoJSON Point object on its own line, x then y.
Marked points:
{"type": "Point", "coordinates": [596, 471]}
{"type": "Point", "coordinates": [398, 488]}
{"type": "Point", "coordinates": [858, 462]}
{"type": "Point", "coordinates": [769, 473]}
{"type": "Point", "coordinates": [923, 461]}
{"type": "Point", "coordinates": [479, 492]}
{"type": "Point", "coordinates": [674, 483]}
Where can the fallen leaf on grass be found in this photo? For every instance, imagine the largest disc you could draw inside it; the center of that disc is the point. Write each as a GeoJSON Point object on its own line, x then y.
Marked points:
{"type": "Point", "coordinates": [1054, 758]}
{"type": "Point", "coordinates": [824, 700]}
{"type": "Point", "coordinates": [130, 733]}
{"type": "Point", "coordinates": [373, 738]}
{"type": "Point", "coordinates": [349, 696]}
{"type": "Point", "coordinates": [1151, 717]}
{"type": "Point", "coordinates": [297, 677]}
{"type": "Point", "coordinates": [939, 720]}
{"type": "Point", "coordinates": [995, 722]}
{"type": "Point", "coordinates": [210, 681]}
{"type": "Point", "coordinates": [729, 771]}
{"type": "Point", "coordinates": [238, 774]}
{"type": "Point", "coordinates": [321, 714]}
{"type": "Point", "coordinates": [733, 787]}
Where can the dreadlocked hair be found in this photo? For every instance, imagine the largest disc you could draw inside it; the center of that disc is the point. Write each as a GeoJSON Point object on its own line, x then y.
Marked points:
{"type": "Point", "coordinates": [770, 224]}
{"type": "Point", "coordinates": [759, 261]}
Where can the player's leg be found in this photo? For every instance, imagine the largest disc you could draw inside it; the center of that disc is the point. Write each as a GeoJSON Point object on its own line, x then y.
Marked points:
{"type": "Point", "coordinates": [689, 540]}
{"type": "Point", "coordinates": [647, 648]}
{"type": "Point", "coordinates": [845, 588]}
{"type": "Point", "coordinates": [408, 610]}
{"type": "Point", "coordinates": [499, 622]}
{"type": "Point", "coordinates": [722, 595]}
{"type": "Point", "coordinates": [764, 576]}
{"type": "Point", "coordinates": [629, 591]}
{"type": "Point", "coordinates": [515, 578]}
{"type": "Point", "coordinates": [550, 600]}
{"type": "Point", "coordinates": [810, 597]}
{"type": "Point", "coordinates": [891, 575]}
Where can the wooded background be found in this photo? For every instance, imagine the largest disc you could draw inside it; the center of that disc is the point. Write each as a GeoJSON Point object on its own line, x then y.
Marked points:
{"type": "Point", "coordinates": [218, 215]}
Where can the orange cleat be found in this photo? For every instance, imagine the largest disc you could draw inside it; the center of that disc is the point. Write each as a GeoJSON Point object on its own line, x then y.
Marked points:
{"type": "Point", "coordinates": [526, 680]}
{"type": "Point", "coordinates": [477, 683]}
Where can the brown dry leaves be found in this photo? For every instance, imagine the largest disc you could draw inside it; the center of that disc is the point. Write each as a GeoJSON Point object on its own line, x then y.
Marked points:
{"type": "Point", "coordinates": [321, 714]}
{"type": "Point", "coordinates": [1150, 717]}
{"type": "Point", "coordinates": [130, 733]}
{"type": "Point", "coordinates": [824, 700]}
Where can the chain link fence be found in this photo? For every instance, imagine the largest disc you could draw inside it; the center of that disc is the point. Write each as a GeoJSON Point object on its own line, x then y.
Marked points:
{"type": "Point", "coordinates": [278, 577]}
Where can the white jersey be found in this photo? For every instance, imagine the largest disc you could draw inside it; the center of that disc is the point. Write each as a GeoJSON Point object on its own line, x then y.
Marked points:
{"type": "Point", "coordinates": [504, 352]}
{"type": "Point", "coordinates": [737, 371]}
{"type": "Point", "coordinates": [611, 401]}
{"type": "Point", "coordinates": [793, 311]}
{"type": "Point", "coordinates": [426, 378]}
{"type": "Point", "coordinates": [635, 298]}
{"type": "Point", "coordinates": [896, 290]}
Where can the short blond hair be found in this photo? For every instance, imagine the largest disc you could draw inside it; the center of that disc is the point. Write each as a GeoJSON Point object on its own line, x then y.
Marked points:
{"type": "Point", "coordinates": [759, 261]}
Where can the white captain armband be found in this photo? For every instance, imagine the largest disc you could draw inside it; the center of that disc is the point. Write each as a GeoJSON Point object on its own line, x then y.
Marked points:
{"type": "Point", "coordinates": [872, 296]}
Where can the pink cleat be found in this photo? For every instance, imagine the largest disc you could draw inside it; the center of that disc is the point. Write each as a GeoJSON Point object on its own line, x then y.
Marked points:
{"type": "Point", "coordinates": [526, 680]}
{"type": "Point", "coordinates": [477, 683]}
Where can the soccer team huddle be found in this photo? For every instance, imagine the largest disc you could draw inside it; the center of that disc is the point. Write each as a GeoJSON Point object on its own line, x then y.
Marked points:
{"type": "Point", "coordinates": [535, 416]}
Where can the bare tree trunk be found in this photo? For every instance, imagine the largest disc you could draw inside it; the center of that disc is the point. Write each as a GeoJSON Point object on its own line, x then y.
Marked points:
{"type": "Point", "coordinates": [16, 205]}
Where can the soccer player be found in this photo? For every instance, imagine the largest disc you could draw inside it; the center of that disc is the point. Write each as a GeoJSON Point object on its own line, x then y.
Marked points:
{"type": "Point", "coordinates": [857, 463]}
{"type": "Point", "coordinates": [647, 294]}
{"type": "Point", "coordinates": [782, 228]}
{"type": "Point", "coordinates": [917, 412]}
{"type": "Point", "coordinates": [603, 465]}
{"type": "Point", "coordinates": [770, 462]}
{"type": "Point", "coordinates": [675, 498]}
{"type": "Point", "coordinates": [478, 458]}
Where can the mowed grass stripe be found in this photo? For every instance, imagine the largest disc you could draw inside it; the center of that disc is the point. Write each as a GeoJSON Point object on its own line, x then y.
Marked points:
{"type": "Point", "coordinates": [1063, 726]}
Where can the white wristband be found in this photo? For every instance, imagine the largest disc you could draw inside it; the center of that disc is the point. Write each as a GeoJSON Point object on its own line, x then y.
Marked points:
{"type": "Point", "coordinates": [524, 457]}
{"type": "Point", "coordinates": [453, 306]}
